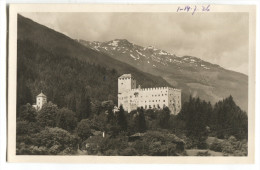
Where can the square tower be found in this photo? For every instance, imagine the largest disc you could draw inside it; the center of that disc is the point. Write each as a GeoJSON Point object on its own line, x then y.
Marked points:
{"type": "Point", "coordinates": [126, 82]}
{"type": "Point", "coordinates": [41, 99]}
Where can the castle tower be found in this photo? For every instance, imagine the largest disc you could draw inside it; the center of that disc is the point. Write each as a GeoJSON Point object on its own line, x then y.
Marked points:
{"type": "Point", "coordinates": [126, 82]}
{"type": "Point", "coordinates": [41, 99]}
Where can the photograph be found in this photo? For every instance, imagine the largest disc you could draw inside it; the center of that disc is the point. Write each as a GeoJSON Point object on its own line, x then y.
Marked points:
{"type": "Point", "coordinates": [132, 82]}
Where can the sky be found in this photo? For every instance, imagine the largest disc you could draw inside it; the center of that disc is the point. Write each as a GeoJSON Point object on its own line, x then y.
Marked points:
{"type": "Point", "coordinates": [219, 38]}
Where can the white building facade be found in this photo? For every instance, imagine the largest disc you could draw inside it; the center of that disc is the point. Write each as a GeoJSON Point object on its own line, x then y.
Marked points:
{"type": "Point", "coordinates": [131, 97]}
{"type": "Point", "coordinates": [41, 99]}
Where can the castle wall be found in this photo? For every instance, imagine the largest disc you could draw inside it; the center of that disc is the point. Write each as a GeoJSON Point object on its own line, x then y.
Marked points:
{"type": "Point", "coordinates": [131, 97]}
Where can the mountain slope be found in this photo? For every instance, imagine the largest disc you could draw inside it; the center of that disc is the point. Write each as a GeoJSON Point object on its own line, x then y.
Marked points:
{"type": "Point", "coordinates": [193, 75]}
{"type": "Point", "coordinates": [61, 67]}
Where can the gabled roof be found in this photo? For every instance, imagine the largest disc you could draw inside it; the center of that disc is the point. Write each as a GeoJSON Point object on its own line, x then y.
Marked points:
{"type": "Point", "coordinates": [126, 76]}
{"type": "Point", "coordinates": [41, 95]}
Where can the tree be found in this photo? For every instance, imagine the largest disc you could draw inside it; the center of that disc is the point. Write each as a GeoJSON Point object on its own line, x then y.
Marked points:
{"type": "Point", "coordinates": [66, 119]}
{"type": "Point", "coordinates": [110, 116]}
{"type": "Point", "coordinates": [84, 106]}
{"type": "Point", "coordinates": [73, 104]}
{"type": "Point", "coordinates": [47, 115]}
{"type": "Point", "coordinates": [229, 119]}
{"type": "Point", "coordinates": [121, 119]}
{"type": "Point", "coordinates": [164, 117]}
{"type": "Point", "coordinates": [24, 94]}
{"type": "Point", "coordinates": [83, 129]}
{"type": "Point", "coordinates": [196, 113]}
{"type": "Point", "coordinates": [24, 127]}
{"type": "Point", "coordinates": [140, 122]}
{"type": "Point", "coordinates": [56, 140]}
{"type": "Point", "coordinates": [27, 112]}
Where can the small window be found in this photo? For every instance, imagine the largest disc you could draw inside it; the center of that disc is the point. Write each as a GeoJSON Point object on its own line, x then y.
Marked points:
{"type": "Point", "coordinates": [162, 94]}
{"type": "Point", "coordinates": [163, 100]}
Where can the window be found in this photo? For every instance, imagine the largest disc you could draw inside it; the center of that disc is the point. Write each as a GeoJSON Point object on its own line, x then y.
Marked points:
{"type": "Point", "coordinates": [162, 94]}
{"type": "Point", "coordinates": [158, 95]}
{"type": "Point", "coordinates": [163, 100]}
{"type": "Point", "coordinates": [155, 95]}
{"type": "Point", "coordinates": [153, 100]}
{"type": "Point", "coordinates": [145, 107]}
{"type": "Point", "coordinates": [152, 95]}
{"type": "Point", "coordinates": [156, 100]}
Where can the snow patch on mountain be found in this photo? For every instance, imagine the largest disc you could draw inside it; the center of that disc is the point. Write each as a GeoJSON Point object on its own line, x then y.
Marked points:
{"type": "Point", "coordinates": [114, 43]}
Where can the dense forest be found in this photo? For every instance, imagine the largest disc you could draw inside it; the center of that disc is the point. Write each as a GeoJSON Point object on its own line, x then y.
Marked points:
{"type": "Point", "coordinates": [221, 128]}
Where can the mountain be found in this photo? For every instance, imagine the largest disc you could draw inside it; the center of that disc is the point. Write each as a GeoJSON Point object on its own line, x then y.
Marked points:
{"type": "Point", "coordinates": [194, 76]}
{"type": "Point", "coordinates": [63, 68]}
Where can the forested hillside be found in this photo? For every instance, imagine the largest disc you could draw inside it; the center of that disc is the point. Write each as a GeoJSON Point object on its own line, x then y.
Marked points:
{"type": "Point", "coordinates": [64, 69]}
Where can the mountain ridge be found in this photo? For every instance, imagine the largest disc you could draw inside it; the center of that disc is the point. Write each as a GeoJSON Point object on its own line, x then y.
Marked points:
{"type": "Point", "coordinates": [195, 76]}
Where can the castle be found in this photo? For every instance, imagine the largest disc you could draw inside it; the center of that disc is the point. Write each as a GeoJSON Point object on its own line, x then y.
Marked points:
{"type": "Point", "coordinates": [41, 99]}
{"type": "Point", "coordinates": [131, 97]}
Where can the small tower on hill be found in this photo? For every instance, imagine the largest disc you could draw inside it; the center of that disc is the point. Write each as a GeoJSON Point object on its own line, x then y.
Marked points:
{"type": "Point", "coordinates": [41, 99]}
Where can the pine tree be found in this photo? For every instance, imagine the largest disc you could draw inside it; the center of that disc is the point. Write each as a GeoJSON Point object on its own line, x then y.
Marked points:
{"type": "Point", "coordinates": [84, 110]}
{"type": "Point", "coordinates": [141, 124]}
{"type": "Point", "coordinates": [121, 119]}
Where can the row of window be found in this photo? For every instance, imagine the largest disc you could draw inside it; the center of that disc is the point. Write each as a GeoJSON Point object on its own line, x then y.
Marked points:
{"type": "Point", "coordinates": [147, 96]}
{"type": "Point", "coordinates": [155, 95]}
{"type": "Point", "coordinates": [150, 101]}
{"type": "Point", "coordinates": [154, 106]}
